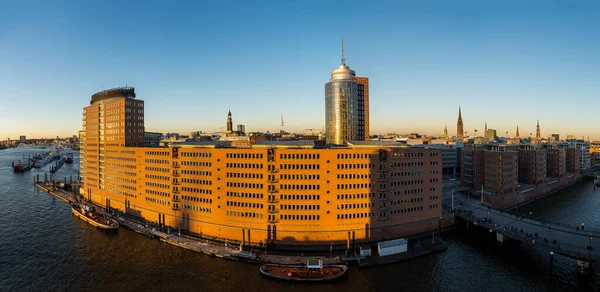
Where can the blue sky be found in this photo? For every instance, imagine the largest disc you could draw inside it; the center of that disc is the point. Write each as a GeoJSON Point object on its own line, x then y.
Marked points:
{"type": "Point", "coordinates": [508, 63]}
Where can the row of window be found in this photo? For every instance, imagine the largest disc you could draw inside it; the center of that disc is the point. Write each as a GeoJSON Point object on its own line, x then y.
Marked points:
{"type": "Point", "coordinates": [299, 217]}
{"type": "Point", "coordinates": [407, 192]}
{"type": "Point", "coordinates": [407, 164]}
{"type": "Point", "coordinates": [196, 181]}
{"type": "Point", "coordinates": [244, 155]}
{"type": "Point", "coordinates": [157, 177]}
{"type": "Point", "coordinates": [406, 173]}
{"type": "Point", "coordinates": [157, 153]}
{"type": "Point", "coordinates": [158, 201]}
{"type": "Point", "coordinates": [244, 185]}
{"type": "Point", "coordinates": [196, 208]}
{"type": "Point", "coordinates": [300, 207]}
{"type": "Point", "coordinates": [247, 175]}
{"type": "Point", "coordinates": [355, 196]}
{"type": "Point", "coordinates": [244, 214]}
{"type": "Point", "coordinates": [119, 165]}
{"type": "Point", "coordinates": [299, 156]}
{"type": "Point", "coordinates": [355, 206]}
{"type": "Point", "coordinates": [354, 176]}
{"type": "Point", "coordinates": [158, 193]}
{"type": "Point", "coordinates": [300, 197]}
{"type": "Point", "coordinates": [121, 179]}
{"type": "Point", "coordinates": [120, 192]}
{"type": "Point", "coordinates": [196, 190]}
{"type": "Point", "coordinates": [356, 166]}
{"type": "Point", "coordinates": [407, 182]}
{"type": "Point", "coordinates": [300, 187]}
{"type": "Point", "coordinates": [407, 210]}
{"type": "Point", "coordinates": [355, 215]}
{"type": "Point", "coordinates": [157, 185]}
{"type": "Point", "coordinates": [354, 186]}
{"type": "Point", "coordinates": [300, 166]}
{"type": "Point", "coordinates": [157, 169]}
{"type": "Point", "coordinates": [131, 188]}
{"type": "Point", "coordinates": [406, 201]}
{"type": "Point", "coordinates": [196, 154]}
{"type": "Point", "coordinates": [244, 165]}
{"type": "Point", "coordinates": [196, 172]}
{"type": "Point", "coordinates": [245, 204]}
{"type": "Point", "coordinates": [196, 199]}
{"type": "Point", "coordinates": [196, 163]}
{"type": "Point", "coordinates": [300, 176]}
{"type": "Point", "coordinates": [244, 195]}
{"type": "Point", "coordinates": [354, 155]}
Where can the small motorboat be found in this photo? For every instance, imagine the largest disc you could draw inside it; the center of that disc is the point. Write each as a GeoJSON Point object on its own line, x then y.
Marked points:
{"type": "Point", "coordinates": [313, 271]}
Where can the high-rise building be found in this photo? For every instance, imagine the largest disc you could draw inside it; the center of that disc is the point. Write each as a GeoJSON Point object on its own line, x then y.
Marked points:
{"type": "Point", "coordinates": [241, 128]}
{"type": "Point", "coordinates": [113, 121]}
{"type": "Point", "coordinates": [490, 135]}
{"type": "Point", "coordinates": [346, 106]}
{"type": "Point", "coordinates": [23, 139]}
{"type": "Point", "coordinates": [459, 126]}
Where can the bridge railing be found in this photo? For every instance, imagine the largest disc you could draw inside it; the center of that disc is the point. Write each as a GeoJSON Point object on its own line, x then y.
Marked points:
{"type": "Point", "coordinates": [564, 225]}
{"type": "Point", "coordinates": [558, 247]}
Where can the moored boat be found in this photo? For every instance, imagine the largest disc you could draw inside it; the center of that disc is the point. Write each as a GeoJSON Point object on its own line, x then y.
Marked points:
{"type": "Point", "coordinates": [69, 158]}
{"type": "Point", "coordinates": [88, 214]}
{"type": "Point", "coordinates": [313, 271]}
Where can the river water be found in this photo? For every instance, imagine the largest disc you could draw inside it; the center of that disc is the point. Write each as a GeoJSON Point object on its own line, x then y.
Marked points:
{"type": "Point", "coordinates": [44, 248]}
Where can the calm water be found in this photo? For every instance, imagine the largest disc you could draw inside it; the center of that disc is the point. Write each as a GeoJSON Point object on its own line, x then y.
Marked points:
{"type": "Point", "coordinates": [44, 248]}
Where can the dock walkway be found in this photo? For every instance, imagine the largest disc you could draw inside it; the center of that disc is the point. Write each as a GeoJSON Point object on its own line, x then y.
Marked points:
{"type": "Point", "coordinates": [232, 252]}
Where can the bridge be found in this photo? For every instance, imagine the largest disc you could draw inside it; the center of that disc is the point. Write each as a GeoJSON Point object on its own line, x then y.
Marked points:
{"type": "Point", "coordinates": [578, 242]}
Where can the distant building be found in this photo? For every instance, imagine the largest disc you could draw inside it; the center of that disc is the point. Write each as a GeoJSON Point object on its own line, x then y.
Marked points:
{"type": "Point", "coordinates": [490, 135]}
{"type": "Point", "coordinates": [23, 139]}
{"type": "Point", "coordinates": [557, 166]}
{"type": "Point", "coordinates": [532, 165]}
{"type": "Point", "coordinates": [572, 160]}
{"type": "Point", "coordinates": [152, 139]}
{"type": "Point", "coordinates": [241, 128]}
{"type": "Point", "coordinates": [583, 150]}
{"type": "Point", "coordinates": [555, 137]}
{"type": "Point", "coordinates": [493, 167]}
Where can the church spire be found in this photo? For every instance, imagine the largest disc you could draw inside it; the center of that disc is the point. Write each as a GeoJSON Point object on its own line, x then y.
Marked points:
{"type": "Point", "coordinates": [229, 122]}
{"type": "Point", "coordinates": [485, 128]}
{"type": "Point", "coordinates": [459, 125]}
{"type": "Point", "coordinates": [538, 135]}
{"type": "Point", "coordinates": [517, 132]}
{"type": "Point", "coordinates": [445, 130]}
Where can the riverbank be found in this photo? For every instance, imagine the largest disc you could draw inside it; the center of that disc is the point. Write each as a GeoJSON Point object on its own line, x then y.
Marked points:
{"type": "Point", "coordinates": [231, 252]}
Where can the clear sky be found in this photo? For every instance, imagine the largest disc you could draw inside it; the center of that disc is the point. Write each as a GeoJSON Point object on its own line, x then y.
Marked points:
{"type": "Point", "coordinates": [507, 63]}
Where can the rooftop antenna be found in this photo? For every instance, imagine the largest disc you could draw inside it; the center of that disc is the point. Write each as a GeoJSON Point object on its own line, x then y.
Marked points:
{"type": "Point", "coordinates": [343, 58]}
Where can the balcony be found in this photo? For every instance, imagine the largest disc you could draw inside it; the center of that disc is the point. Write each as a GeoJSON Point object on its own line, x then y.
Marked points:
{"type": "Point", "coordinates": [272, 181]}
{"type": "Point", "coordinates": [272, 211]}
{"type": "Point", "coordinates": [175, 207]}
{"type": "Point", "coordinates": [175, 165]}
{"type": "Point", "coordinates": [272, 221]}
{"type": "Point", "coordinates": [175, 182]}
{"type": "Point", "coordinates": [176, 174]}
{"type": "Point", "coordinates": [176, 191]}
{"type": "Point", "coordinates": [175, 199]}
{"type": "Point", "coordinates": [272, 201]}
{"type": "Point", "coordinates": [272, 170]}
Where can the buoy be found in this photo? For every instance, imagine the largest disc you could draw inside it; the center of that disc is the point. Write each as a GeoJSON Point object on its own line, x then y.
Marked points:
{"type": "Point", "coordinates": [289, 274]}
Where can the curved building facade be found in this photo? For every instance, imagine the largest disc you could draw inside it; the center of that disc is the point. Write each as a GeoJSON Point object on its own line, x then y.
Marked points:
{"type": "Point", "coordinates": [274, 193]}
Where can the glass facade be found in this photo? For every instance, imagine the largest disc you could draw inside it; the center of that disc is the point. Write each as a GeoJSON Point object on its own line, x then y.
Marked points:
{"type": "Point", "coordinates": [341, 111]}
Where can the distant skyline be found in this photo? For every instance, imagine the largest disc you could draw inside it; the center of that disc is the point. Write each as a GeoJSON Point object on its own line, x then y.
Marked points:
{"type": "Point", "coordinates": [509, 64]}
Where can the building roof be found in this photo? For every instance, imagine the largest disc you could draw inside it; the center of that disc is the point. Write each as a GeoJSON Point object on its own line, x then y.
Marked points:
{"type": "Point", "coordinates": [200, 144]}
{"type": "Point", "coordinates": [306, 144]}
{"type": "Point", "coordinates": [376, 144]}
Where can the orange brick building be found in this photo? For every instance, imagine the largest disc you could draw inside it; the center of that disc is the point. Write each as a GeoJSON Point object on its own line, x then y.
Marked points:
{"type": "Point", "coordinates": [282, 193]}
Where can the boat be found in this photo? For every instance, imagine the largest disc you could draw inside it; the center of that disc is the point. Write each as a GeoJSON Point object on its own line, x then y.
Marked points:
{"type": "Point", "coordinates": [69, 158]}
{"type": "Point", "coordinates": [88, 214]}
{"type": "Point", "coordinates": [47, 159]}
{"type": "Point", "coordinates": [313, 271]}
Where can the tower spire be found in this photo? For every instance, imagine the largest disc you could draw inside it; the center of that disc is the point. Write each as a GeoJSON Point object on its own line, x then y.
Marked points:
{"type": "Point", "coordinates": [517, 132]}
{"type": "Point", "coordinates": [459, 125]}
{"type": "Point", "coordinates": [343, 57]}
{"type": "Point", "coordinates": [537, 132]}
{"type": "Point", "coordinates": [485, 127]}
